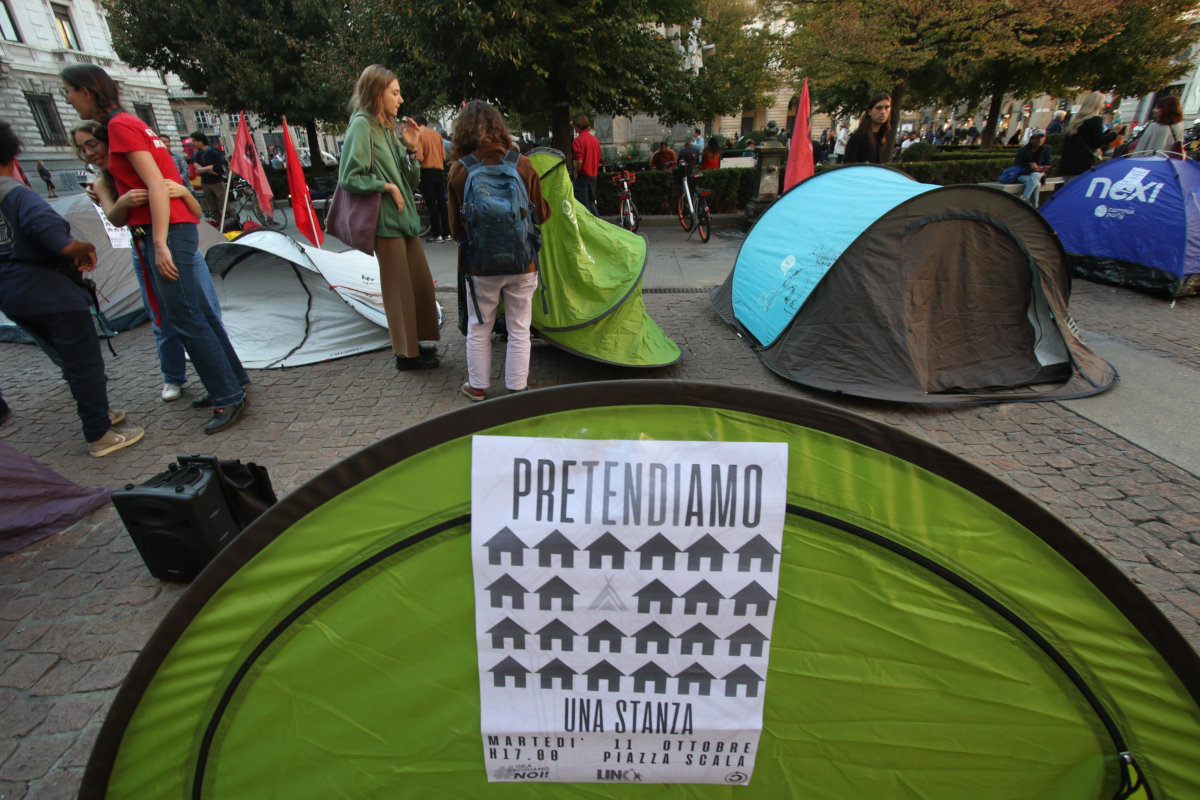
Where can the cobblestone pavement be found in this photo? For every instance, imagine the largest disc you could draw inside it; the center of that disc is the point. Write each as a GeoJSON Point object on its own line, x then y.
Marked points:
{"type": "Point", "coordinates": [76, 608]}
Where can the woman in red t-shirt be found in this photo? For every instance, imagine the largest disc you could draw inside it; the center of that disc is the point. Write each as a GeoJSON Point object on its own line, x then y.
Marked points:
{"type": "Point", "coordinates": [711, 157]}
{"type": "Point", "coordinates": [165, 233]}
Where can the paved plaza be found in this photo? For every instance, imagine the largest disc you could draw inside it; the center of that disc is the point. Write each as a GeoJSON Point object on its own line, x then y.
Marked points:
{"type": "Point", "coordinates": [76, 608]}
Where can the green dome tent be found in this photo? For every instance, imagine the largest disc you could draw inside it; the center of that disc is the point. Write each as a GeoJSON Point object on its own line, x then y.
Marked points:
{"type": "Point", "coordinates": [938, 635]}
{"type": "Point", "coordinates": [592, 281]}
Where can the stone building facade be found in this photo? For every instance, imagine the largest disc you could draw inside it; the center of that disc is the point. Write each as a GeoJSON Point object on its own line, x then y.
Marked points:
{"type": "Point", "coordinates": [37, 40]}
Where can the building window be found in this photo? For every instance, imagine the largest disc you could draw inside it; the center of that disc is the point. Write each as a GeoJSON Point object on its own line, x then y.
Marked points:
{"type": "Point", "coordinates": [45, 114]}
{"type": "Point", "coordinates": [66, 30]}
{"type": "Point", "coordinates": [145, 112]}
{"type": "Point", "coordinates": [8, 28]}
{"type": "Point", "coordinates": [180, 125]}
{"type": "Point", "coordinates": [204, 119]}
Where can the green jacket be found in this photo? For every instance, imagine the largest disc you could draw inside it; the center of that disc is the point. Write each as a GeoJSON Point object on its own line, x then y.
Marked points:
{"type": "Point", "coordinates": [364, 136]}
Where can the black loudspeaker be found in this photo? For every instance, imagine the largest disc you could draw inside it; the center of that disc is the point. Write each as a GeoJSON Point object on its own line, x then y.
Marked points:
{"type": "Point", "coordinates": [179, 520]}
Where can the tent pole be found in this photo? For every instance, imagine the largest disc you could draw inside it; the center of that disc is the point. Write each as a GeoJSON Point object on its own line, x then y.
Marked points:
{"type": "Point", "coordinates": [224, 205]}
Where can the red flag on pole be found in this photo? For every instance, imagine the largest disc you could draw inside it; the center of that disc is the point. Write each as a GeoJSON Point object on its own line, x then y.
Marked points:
{"type": "Point", "coordinates": [800, 152]}
{"type": "Point", "coordinates": [302, 208]}
{"type": "Point", "coordinates": [244, 161]}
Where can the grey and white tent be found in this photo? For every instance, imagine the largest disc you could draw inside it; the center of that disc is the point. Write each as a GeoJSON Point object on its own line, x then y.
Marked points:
{"type": "Point", "coordinates": [116, 286]}
{"type": "Point", "coordinates": [285, 304]}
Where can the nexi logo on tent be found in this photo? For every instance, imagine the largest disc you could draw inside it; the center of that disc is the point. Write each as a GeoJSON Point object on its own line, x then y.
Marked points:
{"type": "Point", "coordinates": [1128, 188]}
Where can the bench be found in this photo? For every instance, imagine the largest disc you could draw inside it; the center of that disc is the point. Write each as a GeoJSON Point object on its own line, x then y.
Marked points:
{"type": "Point", "coordinates": [1048, 186]}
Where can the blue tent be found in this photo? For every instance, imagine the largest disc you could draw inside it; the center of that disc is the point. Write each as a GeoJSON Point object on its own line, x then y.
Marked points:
{"type": "Point", "coordinates": [862, 281]}
{"type": "Point", "coordinates": [1133, 222]}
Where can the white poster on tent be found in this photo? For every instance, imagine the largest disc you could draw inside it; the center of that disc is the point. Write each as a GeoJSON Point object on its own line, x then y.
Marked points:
{"type": "Point", "coordinates": [624, 599]}
{"type": "Point", "coordinates": [121, 237]}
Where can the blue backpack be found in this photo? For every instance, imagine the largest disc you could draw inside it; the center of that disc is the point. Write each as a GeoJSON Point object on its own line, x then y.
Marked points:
{"type": "Point", "coordinates": [1010, 174]}
{"type": "Point", "coordinates": [501, 235]}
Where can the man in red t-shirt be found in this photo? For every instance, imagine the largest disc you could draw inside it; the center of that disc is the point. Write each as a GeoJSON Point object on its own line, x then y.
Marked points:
{"type": "Point", "coordinates": [586, 151]}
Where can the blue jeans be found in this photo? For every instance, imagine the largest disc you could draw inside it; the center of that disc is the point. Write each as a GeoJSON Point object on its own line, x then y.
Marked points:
{"type": "Point", "coordinates": [72, 335]}
{"type": "Point", "coordinates": [195, 318]}
{"type": "Point", "coordinates": [171, 359]}
{"type": "Point", "coordinates": [1033, 184]}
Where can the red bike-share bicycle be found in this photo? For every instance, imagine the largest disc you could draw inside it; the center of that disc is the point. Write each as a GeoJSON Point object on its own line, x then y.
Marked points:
{"type": "Point", "coordinates": [693, 207]}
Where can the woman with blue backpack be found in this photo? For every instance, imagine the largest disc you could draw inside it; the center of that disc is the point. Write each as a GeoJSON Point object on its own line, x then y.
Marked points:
{"type": "Point", "coordinates": [375, 166]}
{"type": "Point", "coordinates": [496, 204]}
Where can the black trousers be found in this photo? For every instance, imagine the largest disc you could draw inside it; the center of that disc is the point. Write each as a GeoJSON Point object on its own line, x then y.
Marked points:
{"type": "Point", "coordinates": [433, 187]}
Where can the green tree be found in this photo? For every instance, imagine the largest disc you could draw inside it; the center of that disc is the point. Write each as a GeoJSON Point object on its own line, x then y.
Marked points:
{"type": "Point", "coordinates": [248, 54]}
{"type": "Point", "coordinates": [932, 51]}
{"type": "Point", "coordinates": [543, 60]}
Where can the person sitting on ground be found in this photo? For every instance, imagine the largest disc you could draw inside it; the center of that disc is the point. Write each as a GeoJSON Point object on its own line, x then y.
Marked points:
{"type": "Point", "coordinates": [1034, 161]}
{"type": "Point", "coordinates": [663, 158]}
{"type": "Point", "coordinates": [711, 157]}
{"type": "Point", "coordinates": [40, 290]}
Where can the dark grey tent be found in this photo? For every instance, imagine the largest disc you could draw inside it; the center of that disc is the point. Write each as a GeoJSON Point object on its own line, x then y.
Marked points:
{"type": "Point", "coordinates": [863, 281]}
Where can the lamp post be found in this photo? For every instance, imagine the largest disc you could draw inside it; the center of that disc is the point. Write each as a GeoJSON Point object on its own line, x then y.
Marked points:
{"type": "Point", "coordinates": [772, 158]}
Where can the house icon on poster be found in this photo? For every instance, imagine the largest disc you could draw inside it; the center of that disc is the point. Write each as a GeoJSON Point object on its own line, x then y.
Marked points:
{"type": "Point", "coordinates": [605, 673]}
{"type": "Point", "coordinates": [695, 676]}
{"type": "Point", "coordinates": [556, 545]}
{"type": "Point", "coordinates": [698, 636]}
{"type": "Point", "coordinates": [660, 547]}
{"type": "Point", "coordinates": [706, 547]}
{"type": "Point", "coordinates": [752, 596]}
{"type": "Point", "coordinates": [610, 546]}
{"type": "Point", "coordinates": [604, 632]}
{"type": "Point", "coordinates": [557, 670]}
{"type": "Point", "coordinates": [654, 592]}
{"type": "Point", "coordinates": [507, 587]}
{"type": "Point", "coordinates": [650, 675]}
{"type": "Point", "coordinates": [758, 549]}
{"type": "Point", "coordinates": [652, 634]}
{"type": "Point", "coordinates": [746, 637]}
{"type": "Point", "coordinates": [745, 678]}
{"type": "Point", "coordinates": [556, 589]}
{"type": "Point", "coordinates": [509, 668]}
{"type": "Point", "coordinates": [702, 594]}
{"type": "Point", "coordinates": [556, 631]}
{"type": "Point", "coordinates": [507, 629]}
{"type": "Point", "coordinates": [505, 542]}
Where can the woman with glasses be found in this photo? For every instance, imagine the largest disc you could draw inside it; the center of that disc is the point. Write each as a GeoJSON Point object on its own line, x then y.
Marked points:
{"type": "Point", "coordinates": [165, 233]}
{"type": "Point", "coordinates": [102, 191]}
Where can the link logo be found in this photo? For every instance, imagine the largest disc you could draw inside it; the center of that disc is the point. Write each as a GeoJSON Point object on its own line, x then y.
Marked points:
{"type": "Point", "coordinates": [1128, 188]}
{"type": "Point", "coordinates": [627, 775]}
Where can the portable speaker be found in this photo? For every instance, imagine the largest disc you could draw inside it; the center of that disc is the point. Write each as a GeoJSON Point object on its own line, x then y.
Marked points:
{"type": "Point", "coordinates": [179, 520]}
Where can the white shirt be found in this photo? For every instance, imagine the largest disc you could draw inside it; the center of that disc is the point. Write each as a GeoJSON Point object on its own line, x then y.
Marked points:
{"type": "Point", "coordinates": [843, 137]}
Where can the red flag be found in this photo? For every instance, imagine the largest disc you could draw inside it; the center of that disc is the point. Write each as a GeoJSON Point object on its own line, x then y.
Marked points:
{"type": "Point", "coordinates": [302, 208]}
{"type": "Point", "coordinates": [244, 161]}
{"type": "Point", "coordinates": [800, 152]}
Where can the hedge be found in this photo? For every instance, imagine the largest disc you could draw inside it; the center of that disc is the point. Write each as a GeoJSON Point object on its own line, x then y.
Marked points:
{"type": "Point", "coordinates": [657, 192]}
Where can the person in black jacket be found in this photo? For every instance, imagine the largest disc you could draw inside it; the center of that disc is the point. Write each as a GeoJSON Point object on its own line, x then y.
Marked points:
{"type": "Point", "coordinates": [1034, 161]}
{"type": "Point", "coordinates": [1086, 135]}
{"type": "Point", "coordinates": [869, 142]}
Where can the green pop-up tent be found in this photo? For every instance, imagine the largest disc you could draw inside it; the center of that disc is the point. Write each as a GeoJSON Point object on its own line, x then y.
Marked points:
{"type": "Point", "coordinates": [938, 635]}
{"type": "Point", "coordinates": [591, 281]}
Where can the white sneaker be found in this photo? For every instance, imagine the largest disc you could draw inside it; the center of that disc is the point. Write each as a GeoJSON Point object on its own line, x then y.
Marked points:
{"type": "Point", "coordinates": [171, 391]}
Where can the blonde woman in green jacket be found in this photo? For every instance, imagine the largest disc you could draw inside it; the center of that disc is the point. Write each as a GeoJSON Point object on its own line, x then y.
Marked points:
{"type": "Point", "coordinates": [373, 161]}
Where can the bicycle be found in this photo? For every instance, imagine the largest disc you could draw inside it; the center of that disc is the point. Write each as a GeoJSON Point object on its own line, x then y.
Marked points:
{"type": "Point", "coordinates": [630, 217]}
{"type": "Point", "coordinates": [693, 207]}
{"type": "Point", "coordinates": [243, 198]}
{"type": "Point", "coordinates": [422, 214]}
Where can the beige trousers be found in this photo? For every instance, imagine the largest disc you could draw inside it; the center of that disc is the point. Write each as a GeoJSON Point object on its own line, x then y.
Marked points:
{"type": "Point", "coordinates": [407, 289]}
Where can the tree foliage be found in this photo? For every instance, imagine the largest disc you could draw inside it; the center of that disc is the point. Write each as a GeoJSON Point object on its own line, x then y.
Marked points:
{"type": "Point", "coordinates": [244, 54]}
{"type": "Point", "coordinates": [949, 51]}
